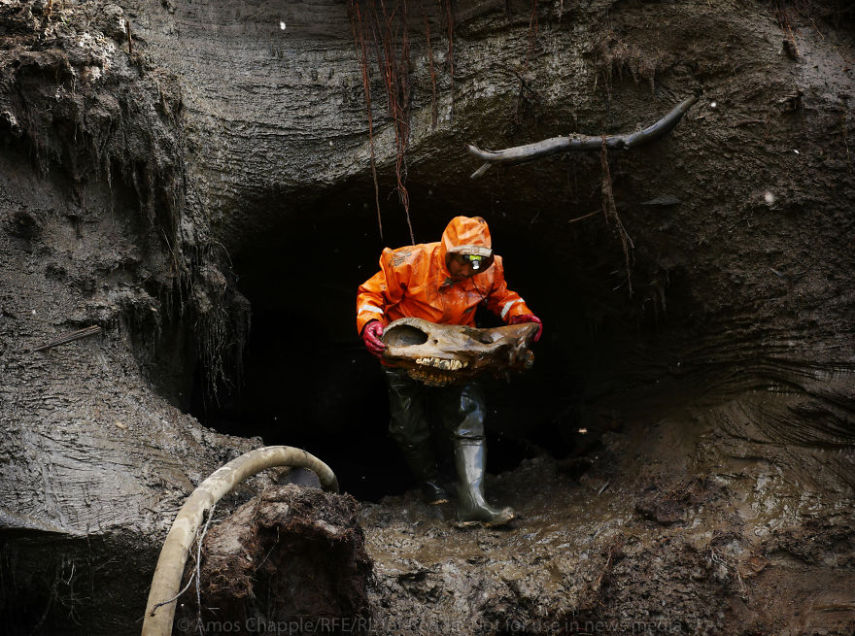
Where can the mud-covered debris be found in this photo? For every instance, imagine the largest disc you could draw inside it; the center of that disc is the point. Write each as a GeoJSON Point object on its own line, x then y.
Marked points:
{"type": "Point", "coordinates": [112, 21]}
{"type": "Point", "coordinates": [287, 555]}
{"type": "Point", "coordinates": [670, 505]}
{"type": "Point", "coordinates": [70, 337]}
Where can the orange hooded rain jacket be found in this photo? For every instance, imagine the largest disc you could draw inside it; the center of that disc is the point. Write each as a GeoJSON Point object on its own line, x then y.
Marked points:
{"type": "Point", "coordinates": [414, 281]}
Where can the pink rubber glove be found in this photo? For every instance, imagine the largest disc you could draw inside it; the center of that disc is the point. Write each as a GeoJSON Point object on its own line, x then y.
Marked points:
{"type": "Point", "coordinates": [529, 318]}
{"type": "Point", "coordinates": [371, 337]}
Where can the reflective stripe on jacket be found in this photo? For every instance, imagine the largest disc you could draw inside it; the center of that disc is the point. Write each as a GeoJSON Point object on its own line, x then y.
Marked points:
{"type": "Point", "coordinates": [414, 281]}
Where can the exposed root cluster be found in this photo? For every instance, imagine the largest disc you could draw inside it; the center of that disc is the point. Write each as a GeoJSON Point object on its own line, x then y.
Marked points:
{"type": "Point", "coordinates": [613, 218]}
{"type": "Point", "coordinates": [617, 57]}
{"type": "Point", "coordinates": [85, 101]}
{"type": "Point", "coordinates": [385, 28]}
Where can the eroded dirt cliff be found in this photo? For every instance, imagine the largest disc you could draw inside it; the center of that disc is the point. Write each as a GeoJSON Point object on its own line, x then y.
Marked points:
{"type": "Point", "coordinates": [165, 165]}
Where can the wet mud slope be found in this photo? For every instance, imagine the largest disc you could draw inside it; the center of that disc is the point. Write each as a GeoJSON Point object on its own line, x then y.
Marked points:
{"type": "Point", "coordinates": [191, 184]}
{"type": "Point", "coordinates": [95, 459]}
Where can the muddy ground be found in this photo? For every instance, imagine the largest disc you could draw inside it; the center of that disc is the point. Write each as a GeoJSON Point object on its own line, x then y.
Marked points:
{"type": "Point", "coordinates": [662, 529]}
{"type": "Point", "coordinates": [652, 538]}
{"type": "Point", "coordinates": [193, 179]}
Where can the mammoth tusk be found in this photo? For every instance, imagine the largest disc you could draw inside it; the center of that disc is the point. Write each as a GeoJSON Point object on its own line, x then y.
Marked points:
{"type": "Point", "coordinates": [520, 154]}
{"type": "Point", "coordinates": [173, 555]}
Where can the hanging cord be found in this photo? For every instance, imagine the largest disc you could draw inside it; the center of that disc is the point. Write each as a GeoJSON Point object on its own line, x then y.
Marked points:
{"type": "Point", "coordinates": [480, 293]}
{"type": "Point", "coordinates": [483, 301]}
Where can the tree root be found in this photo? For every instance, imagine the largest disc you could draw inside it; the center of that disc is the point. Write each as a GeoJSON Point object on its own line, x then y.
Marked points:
{"type": "Point", "coordinates": [612, 217]}
{"type": "Point", "coordinates": [554, 145]}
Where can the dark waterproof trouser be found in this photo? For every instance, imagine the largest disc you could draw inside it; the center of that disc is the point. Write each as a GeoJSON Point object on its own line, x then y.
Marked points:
{"type": "Point", "coordinates": [415, 410]}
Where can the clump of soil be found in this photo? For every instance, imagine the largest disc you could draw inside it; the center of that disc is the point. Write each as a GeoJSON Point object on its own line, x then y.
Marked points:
{"type": "Point", "coordinates": [291, 554]}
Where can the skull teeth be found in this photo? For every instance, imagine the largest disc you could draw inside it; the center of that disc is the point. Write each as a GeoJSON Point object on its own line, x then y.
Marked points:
{"type": "Point", "coordinates": [439, 363]}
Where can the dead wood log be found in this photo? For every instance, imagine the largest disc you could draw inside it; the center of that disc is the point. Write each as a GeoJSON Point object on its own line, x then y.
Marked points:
{"type": "Point", "coordinates": [571, 143]}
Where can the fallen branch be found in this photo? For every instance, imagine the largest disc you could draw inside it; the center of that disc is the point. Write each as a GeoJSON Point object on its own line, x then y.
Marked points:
{"type": "Point", "coordinates": [554, 145]}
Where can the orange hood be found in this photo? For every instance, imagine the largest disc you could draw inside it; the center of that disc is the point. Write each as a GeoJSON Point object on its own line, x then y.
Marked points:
{"type": "Point", "coordinates": [466, 235]}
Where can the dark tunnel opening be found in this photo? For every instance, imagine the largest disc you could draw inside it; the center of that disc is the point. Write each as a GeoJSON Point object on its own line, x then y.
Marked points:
{"type": "Point", "coordinates": [308, 380]}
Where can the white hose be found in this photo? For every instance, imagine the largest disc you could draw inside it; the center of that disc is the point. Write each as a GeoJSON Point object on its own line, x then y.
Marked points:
{"type": "Point", "coordinates": [173, 555]}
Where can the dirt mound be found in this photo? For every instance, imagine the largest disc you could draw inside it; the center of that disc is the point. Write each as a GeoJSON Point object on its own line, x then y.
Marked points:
{"type": "Point", "coordinates": [288, 557]}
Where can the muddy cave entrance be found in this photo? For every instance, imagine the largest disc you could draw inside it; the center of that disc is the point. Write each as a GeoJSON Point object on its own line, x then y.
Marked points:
{"type": "Point", "coordinates": [308, 381]}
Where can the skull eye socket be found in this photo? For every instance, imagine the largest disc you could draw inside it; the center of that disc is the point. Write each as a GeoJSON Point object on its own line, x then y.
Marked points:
{"type": "Point", "coordinates": [404, 336]}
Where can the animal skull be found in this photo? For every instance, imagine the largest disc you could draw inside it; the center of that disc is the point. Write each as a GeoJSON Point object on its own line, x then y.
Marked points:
{"type": "Point", "coordinates": [437, 355]}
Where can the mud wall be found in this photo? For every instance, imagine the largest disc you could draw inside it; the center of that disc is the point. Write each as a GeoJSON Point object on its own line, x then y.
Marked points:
{"type": "Point", "coordinates": [725, 215]}
{"type": "Point", "coordinates": [152, 181]}
{"type": "Point", "coordinates": [95, 459]}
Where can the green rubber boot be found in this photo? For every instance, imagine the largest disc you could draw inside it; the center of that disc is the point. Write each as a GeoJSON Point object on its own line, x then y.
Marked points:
{"type": "Point", "coordinates": [470, 458]}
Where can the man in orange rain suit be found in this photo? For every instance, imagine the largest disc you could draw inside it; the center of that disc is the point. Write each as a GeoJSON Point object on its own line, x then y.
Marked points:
{"type": "Point", "coordinates": [444, 283]}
